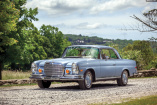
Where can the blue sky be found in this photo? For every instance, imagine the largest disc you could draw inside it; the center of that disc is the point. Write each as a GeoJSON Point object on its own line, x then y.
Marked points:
{"type": "Point", "coordinates": [102, 18]}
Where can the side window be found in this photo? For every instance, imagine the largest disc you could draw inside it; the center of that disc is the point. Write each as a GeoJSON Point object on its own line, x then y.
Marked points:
{"type": "Point", "coordinates": [113, 55]}
{"type": "Point", "coordinates": [108, 54]}
{"type": "Point", "coordinates": [105, 54]}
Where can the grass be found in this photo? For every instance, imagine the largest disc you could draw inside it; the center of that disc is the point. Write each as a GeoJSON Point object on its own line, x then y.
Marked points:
{"type": "Point", "coordinates": [25, 84]}
{"type": "Point", "coordinates": [149, 100]}
{"type": "Point", "coordinates": [18, 85]}
{"type": "Point", "coordinates": [6, 75]}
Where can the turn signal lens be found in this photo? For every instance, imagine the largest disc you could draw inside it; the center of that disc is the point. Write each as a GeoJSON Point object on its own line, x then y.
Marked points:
{"type": "Point", "coordinates": [67, 71]}
{"type": "Point", "coordinates": [40, 70]}
{"type": "Point", "coordinates": [81, 70]}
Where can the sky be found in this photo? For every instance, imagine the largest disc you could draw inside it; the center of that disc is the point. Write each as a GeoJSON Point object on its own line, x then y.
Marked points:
{"type": "Point", "coordinates": [101, 18]}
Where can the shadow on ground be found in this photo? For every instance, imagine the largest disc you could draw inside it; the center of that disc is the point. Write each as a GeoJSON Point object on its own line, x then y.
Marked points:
{"type": "Point", "coordinates": [76, 87]}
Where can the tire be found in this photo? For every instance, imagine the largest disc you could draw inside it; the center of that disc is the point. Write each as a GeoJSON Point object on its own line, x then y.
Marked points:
{"type": "Point", "coordinates": [43, 84]}
{"type": "Point", "coordinates": [124, 79]}
{"type": "Point", "coordinates": [87, 82]}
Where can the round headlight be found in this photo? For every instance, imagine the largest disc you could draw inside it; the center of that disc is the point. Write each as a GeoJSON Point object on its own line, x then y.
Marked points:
{"type": "Point", "coordinates": [75, 68]}
{"type": "Point", "coordinates": [34, 67]}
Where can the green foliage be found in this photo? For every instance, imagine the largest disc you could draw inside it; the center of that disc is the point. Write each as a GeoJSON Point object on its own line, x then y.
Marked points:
{"type": "Point", "coordinates": [55, 41]}
{"type": "Point", "coordinates": [134, 55]}
{"type": "Point", "coordinates": [142, 53]}
{"type": "Point", "coordinates": [8, 18]}
{"type": "Point", "coordinates": [21, 42]}
{"type": "Point", "coordinates": [21, 52]}
{"type": "Point", "coordinates": [153, 42]}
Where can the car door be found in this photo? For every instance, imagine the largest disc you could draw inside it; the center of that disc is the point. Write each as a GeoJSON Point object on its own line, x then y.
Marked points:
{"type": "Point", "coordinates": [107, 63]}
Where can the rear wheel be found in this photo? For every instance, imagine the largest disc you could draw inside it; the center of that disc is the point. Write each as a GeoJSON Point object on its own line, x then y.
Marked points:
{"type": "Point", "coordinates": [43, 84]}
{"type": "Point", "coordinates": [124, 79]}
{"type": "Point", "coordinates": [87, 82]}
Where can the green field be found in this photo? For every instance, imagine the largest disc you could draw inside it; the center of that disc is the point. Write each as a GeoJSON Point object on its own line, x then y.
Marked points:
{"type": "Point", "coordinates": [150, 100]}
{"type": "Point", "coordinates": [31, 84]}
{"type": "Point", "coordinates": [6, 75]}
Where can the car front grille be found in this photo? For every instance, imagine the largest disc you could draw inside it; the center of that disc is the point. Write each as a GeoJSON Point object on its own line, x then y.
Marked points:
{"type": "Point", "coordinates": [53, 69]}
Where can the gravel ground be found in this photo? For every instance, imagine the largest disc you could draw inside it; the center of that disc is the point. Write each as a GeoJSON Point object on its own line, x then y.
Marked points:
{"type": "Point", "coordinates": [70, 94]}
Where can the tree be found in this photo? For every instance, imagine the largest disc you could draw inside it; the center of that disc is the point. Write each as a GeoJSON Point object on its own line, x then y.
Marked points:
{"type": "Point", "coordinates": [8, 18]}
{"type": "Point", "coordinates": [56, 41]}
{"type": "Point", "coordinates": [140, 51]}
{"type": "Point", "coordinates": [28, 49]}
{"type": "Point", "coordinates": [24, 35]}
{"type": "Point", "coordinates": [147, 24]}
{"type": "Point", "coordinates": [21, 52]}
{"type": "Point", "coordinates": [21, 42]}
{"type": "Point", "coordinates": [150, 22]}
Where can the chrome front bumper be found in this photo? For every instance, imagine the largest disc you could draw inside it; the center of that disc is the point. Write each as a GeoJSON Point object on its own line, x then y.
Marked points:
{"type": "Point", "coordinates": [55, 78]}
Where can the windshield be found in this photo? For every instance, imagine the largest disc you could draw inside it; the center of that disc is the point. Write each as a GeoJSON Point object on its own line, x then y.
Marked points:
{"type": "Point", "coordinates": [81, 52]}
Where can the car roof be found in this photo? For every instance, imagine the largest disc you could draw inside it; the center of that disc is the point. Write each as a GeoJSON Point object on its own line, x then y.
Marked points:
{"type": "Point", "coordinates": [97, 46]}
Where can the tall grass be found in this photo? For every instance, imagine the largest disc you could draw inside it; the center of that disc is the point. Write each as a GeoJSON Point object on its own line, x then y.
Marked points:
{"type": "Point", "coordinates": [6, 74]}
{"type": "Point", "coordinates": [149, 100]}
{"type": "Point", "coordinates": [146, 100]}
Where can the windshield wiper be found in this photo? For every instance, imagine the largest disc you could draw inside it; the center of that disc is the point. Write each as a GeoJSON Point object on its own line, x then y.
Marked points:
{"type": "Point", "coordinates": [73, 57]}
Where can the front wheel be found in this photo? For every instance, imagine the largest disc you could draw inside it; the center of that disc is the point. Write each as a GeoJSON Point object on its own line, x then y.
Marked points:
{"type": "Point", "coordinates": [124, 79]}
{"type": "Point", "coordinates": [43, 84]}
{"type": "Point", "coordinates": [87, 82]}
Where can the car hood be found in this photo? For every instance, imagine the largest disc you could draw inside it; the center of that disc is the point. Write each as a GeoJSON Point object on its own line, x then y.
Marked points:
{"type": "Point", "coordinates": [64, 61]}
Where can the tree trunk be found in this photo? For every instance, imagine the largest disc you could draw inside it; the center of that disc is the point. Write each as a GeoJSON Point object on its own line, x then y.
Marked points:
{"type": "Point", "coordinates": [1, 67]}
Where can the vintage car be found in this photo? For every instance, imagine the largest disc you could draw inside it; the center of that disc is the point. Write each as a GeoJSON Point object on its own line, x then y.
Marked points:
{"type": "Point", "coordinates": [84, 64]}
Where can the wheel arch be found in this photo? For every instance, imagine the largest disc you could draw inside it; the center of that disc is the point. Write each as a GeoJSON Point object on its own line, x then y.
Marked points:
{"type": "Point", "coordinates": [127, 71]}
{"type": "Point", "coordinates": [93, 73]}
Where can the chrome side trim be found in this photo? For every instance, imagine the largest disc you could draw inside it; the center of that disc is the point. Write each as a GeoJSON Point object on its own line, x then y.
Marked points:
{"type": "Point", "coordinates": [107, 78]}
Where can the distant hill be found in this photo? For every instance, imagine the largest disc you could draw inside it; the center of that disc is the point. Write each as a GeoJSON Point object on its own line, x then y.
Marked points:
{"type": "Point", "coordinates": [94, 40]}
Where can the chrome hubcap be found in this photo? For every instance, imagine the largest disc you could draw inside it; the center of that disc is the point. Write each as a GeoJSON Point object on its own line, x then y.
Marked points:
{"type": "Point", "coordinates": [125, 77]}
{"type": "Point", "coordinates": [88, 80]}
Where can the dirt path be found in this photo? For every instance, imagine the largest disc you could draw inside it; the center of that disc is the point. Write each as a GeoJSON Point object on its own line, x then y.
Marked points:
{"type": "Point", "coordinates": [70, 94]}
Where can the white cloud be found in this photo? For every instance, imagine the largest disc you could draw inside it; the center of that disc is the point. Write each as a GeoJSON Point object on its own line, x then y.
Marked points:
{"type": "Point", "coordinates": [90, 26]}
{"type": "Point", "coordinates": [64, 7]}
{"type": "Point", "coordinates": [60, 7]}
{"type": "Point", "coordinates": [149, 7]}
{"type": "Point", "coordinates": [114, 5]}
{"type": "Point", "coordinates": [146, 9]}
{"type": "Point", "coordinates": [78, 19]}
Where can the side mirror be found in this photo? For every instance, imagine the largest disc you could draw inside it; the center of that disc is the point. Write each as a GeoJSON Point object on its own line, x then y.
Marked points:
{"type": "Point", "coordinates": [107, 57]}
